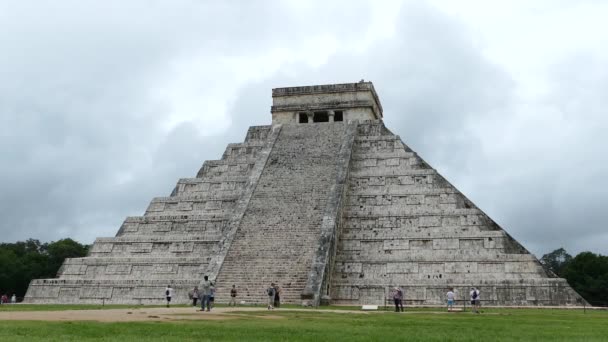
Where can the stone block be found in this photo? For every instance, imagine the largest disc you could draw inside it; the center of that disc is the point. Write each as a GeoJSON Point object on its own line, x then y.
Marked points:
{"type": "Point", "coordinates": [429, 221]}
{"type": "Point", "coordinates": [491, 267]}
{"type": "Point", "coordinates": [402, 267]}
{"type": "Point", "coordinates": [446, 244]}
{"type": "Point", "coordinates": [396, 244]}
{"type": "Point", "coordinates": [473, 244]}
{"type": "Point", "coordinates": [118, 269]}
{"type": "Point", "coordinates": [421, 244]}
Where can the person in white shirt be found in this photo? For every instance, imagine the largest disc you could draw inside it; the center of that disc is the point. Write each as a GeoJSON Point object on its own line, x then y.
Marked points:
{"type": "Point", "coordinates": [168, 294]}
{"type": "Point", "coordinates": [450, 296]}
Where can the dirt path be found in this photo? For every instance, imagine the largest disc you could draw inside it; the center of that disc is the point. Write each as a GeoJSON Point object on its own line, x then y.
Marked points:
{"type": "Point", "coordinates": [166, 314]}
{"type": "Point", "coordinates": [143, 314]}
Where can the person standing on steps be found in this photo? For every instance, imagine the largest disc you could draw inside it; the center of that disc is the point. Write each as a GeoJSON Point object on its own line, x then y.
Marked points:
{"type": "Point", "coordinates": [168, 294]}
{"type": "Point", "coordinates": [271, 292]}
{"type": "Point", "coordinates": [277, 296]}
{"type": "Point", "coordinates": [205, 291]}
{"type": "Point", "coordinates": [233, 295]}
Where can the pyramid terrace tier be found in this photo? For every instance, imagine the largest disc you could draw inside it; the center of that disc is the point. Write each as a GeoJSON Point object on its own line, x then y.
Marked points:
{"type": "Point", "coordinates": [243, 151]}
{"type": "Point", "coordinates": [185, 204]}
{"type": "Point", "coordinates": [214, 168]}
{"type": "Point", "coordinates": [206, 185]}
{"type": "Point", "coordinates": [195, 225]}
{"type": "Point", "coordinates": [507, 292]}
{"type": "Point", "coordinates": [154, 246]}
{"type": "Point", "coordinates": [108, 291]}
{"type": "Point", "coordinates": [117, 268]}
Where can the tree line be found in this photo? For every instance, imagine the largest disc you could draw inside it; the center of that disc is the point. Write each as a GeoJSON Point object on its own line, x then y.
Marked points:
{"type": "Point", "coordinates": [22, 261]}
{"type": "Point", "coordinates": [587, 273]}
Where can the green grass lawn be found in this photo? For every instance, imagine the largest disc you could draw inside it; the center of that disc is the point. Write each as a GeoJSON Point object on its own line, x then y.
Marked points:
{"type": "Point", "coordinates": [424, 325]}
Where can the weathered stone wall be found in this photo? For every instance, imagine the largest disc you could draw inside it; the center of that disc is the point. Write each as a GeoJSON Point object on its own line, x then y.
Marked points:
{"type": "Point", "coordinates": [405, 225]}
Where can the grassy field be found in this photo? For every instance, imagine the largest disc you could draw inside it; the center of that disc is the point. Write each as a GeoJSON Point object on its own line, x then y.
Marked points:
{"type": "Point", "coordinates": [420, 325]}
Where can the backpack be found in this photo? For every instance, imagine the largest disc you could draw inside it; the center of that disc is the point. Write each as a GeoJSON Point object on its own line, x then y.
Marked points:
{"type": "Point", "coordinates": [270, 291]}
{"type": "Point", "coordinates": [474, 296]}
{"type": "Point", "coordinates": [167, 293]}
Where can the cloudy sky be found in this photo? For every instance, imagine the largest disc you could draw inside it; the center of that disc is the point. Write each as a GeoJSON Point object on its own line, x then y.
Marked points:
{"type": "Point", "coordinates": [106, 104]}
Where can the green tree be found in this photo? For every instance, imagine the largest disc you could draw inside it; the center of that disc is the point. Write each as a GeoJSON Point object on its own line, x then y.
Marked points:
{"type": "Point", "coordinates": [587, 273]}
{"type": "Point", "coordinates": [556, 260]}
{"type": "Point", "coordinates": [22, 261]}
{"type": "Point", "coordinates": [58, 251]}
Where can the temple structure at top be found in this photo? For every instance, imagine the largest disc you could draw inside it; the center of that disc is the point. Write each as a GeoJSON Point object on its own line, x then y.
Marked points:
{"type": "Point", "coordinates": [326, 202]}
{"type": "Point", "coordinates": [326, 103]}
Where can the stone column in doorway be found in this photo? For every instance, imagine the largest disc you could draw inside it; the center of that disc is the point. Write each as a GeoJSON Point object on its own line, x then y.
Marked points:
{"type": "Point", "coordinates": [331, 114]}
{"type": "Point", "coordinates": [311, 116]}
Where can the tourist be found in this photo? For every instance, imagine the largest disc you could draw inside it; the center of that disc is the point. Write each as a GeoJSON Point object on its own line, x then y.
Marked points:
{"type": "Point", "coordinates": [271, 292]}
{"type": "Point", "coordinates": [195, 296]}
{"type": "Point", "coordinates": [474, 294]}
{"type": "Point", "coordinates": [398, 298]}
{"type": "Point", "coordinates": [4, 299]}
{"type": "Point", "coordinates": [450, 296]}
{"type": "Point", "coordinates": [206, 293]}
{"type": "Point", "coordinates": [168, 294]}
{"type": "Point", "coordinates": [277, 296]}
{"type": "Point", "coordinates": [233, 295]}
{"type": "Point", "coordinates": [13, 299]}
{"type": "Point", "coordinates": [477, 301]}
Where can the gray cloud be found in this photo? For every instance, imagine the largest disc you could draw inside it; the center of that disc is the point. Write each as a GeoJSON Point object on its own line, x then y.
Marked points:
{"type": "Point", "coordinates": [85, 94]}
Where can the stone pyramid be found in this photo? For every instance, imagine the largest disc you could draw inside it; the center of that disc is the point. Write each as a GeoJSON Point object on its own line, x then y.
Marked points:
{"type": "Point", "coordinates": [326, 202]}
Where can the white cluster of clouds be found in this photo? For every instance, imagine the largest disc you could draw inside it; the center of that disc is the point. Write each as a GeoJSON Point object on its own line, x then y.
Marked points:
{"type": "Point", "coordinates": [105, 105]}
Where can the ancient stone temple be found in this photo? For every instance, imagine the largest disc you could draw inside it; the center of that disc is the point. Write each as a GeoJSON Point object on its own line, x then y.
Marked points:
{"type": "Point", "coordinates": [326, 202]}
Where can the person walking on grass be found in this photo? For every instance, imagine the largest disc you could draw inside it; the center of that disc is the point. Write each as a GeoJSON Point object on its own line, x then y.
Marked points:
{"type": "Point", "coordinates": [233, 293]}
{"type": "Point", "coordinates": [168, 294]}
{"type": "Point", "coordinates": [271, 293]}
{"type": "Point", "coordinates": [398, 298]}
{"type": "Point", "coordinates": [205, 292]}
{"type": "Point", "coordinates": [450, 296]}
